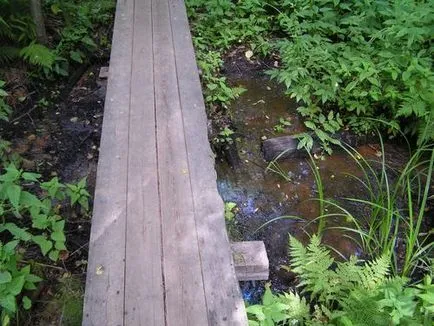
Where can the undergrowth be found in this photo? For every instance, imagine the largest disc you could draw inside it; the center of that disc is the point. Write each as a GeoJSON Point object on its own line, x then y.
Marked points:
{"type": "Point", "coordinates": [31, 219]}
{"type": "Point", "coordinates": [73, 29]}
{"type": "Point", "coordinates": [344, 61]}
{"type": "Point", "coordinates": [344, 293]}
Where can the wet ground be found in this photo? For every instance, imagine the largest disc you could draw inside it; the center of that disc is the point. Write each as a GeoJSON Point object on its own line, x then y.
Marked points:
{"type": "Point", "coordinates": [263, 195]}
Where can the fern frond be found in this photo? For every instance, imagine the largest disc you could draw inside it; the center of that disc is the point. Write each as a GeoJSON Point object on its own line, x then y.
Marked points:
{"type": "Point", "coordinates": [39, 55]}
{"type": "Point", "coordinates": [312, 265]}
{"type": "Point", "coordinates": [374, 273]}
{"type": "Point", "coordinates": [296, 307]}
{"type": "Point", "coordinates": [360, 308]}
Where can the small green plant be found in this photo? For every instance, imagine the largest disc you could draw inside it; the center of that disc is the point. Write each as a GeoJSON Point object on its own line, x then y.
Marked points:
{"type": "Point", "coordinates": [230, 208]}
{"type": "Point", "coordinates": [225, 136]}
{"type": "Point", "coordinates": [282, 125]}
{"type": "Point", "coordinates": [79, 194]}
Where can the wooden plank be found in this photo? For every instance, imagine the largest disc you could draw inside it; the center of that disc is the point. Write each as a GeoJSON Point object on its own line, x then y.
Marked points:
{"type": "Point", "coordinates": [144, 299]}
{"type": "Point", "coordinates": [185, 301]}
{"type": "Point", "coordinates": [224, 301]}
{"type": "Point", "coordinates": [251, 260]}
{"type": "Point", "coordinates": [104, 297]}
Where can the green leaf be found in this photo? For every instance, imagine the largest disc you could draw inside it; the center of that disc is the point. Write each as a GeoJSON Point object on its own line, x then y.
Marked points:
{"type": "Point", "coordinates": [54, 255]}
{"type": "Point", "coordinates": [59, 226]}
{"type": "Point", "coordinates": [14, 192]}
{"type": "Point", "coordinates": [58, 236]}
{"type": "Point", "coordinates": [27, 303]}
{"type": "Point", "coordinates": [60, 245]}
{"type": "Point", "coordinates": [76, 56]}
{"type": "Point", "coordinates": [16, 231]}
{"type": "Point", "coordinates": [31, 176]}
{"type": "Point", "coordinates": [10, 246]}
{"type": "Point", "coordinates": [310, 125]}
{"type": "Point", "coordinates": [5, 277]}
{"type": "Point", "coordinates": [16, 285]}
{"type": "Point", "coordinates": [43, 243]}
{"type": "Point", "coordinates": [267, 299]}
{"type": "Point", "coordinates": [406, 75]}
{"type": "Point", "coordinates": [33, 278]}
{"type": "Point", "coordinates": [8, 302]}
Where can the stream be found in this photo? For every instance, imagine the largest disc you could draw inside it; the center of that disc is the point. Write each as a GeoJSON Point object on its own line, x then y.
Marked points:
{"type": "Point", "coordinates": [262, 195]}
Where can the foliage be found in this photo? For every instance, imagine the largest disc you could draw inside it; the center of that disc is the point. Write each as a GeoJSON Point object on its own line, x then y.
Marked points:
{"type": "Point", "coordinates": [17, 36]}
{"type": "Point", "coordinates": [282, 125]}
{"type": "Point", "coordinates": [217, 26]}
{"type": "Point", "coordinates": [344, 293]}
{"type": "Point", "coordinates": [73, 41]}
{"type": "Point", "coordinates": [396, 207]}
{"type": "Point", "coordinates": [283, 309]}
{"type": "Point", "coordinates": [30, 211]}
{"type": "Point", "coordinates": [344, 61]}
{"type": "Point", "coordinates": [366, 59]}
{"type": "Point", "coordinates": [225, 136]}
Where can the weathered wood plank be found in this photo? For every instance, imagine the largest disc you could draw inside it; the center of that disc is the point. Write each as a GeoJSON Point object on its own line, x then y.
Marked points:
{"type": "Point", "coordinates": [104, 298]}
{"type": "Point", "coordinates": [185, 301]}
{"type": "Point", "coordinates": [251, 260]}
{"type": "Point", "coordinates": [224, 301]}
{"type": "Point", "coordinates": [144, 292]}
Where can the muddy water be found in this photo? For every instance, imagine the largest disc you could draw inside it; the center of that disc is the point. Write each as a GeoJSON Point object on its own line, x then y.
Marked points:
{"type": "Point", "coordinates": [262, 195]}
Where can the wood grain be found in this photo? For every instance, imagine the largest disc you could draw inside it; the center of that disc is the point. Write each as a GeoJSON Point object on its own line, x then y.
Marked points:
{"type": "Point", "coordinates": [225, 305]}
{"type": "Point", "coordinates": [159, 252]}
{"type": "Point", "coordinates": [185, 299]}
{"type": "Point", "coordinates": [144, 291]}
{"type": "Point", "coordinates": [104, 297]}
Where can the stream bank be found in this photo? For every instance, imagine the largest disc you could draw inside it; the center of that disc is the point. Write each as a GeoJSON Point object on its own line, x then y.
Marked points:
{"type": "Point", "coordinates": [262, 195]}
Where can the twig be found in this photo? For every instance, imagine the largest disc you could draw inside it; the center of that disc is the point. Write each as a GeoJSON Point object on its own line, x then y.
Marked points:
{"type": "Point", "coordinates": [44, 265]}
{"type": "Point", "coordinates": [24, 114]}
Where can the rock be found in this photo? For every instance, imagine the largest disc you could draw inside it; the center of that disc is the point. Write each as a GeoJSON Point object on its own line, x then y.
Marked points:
{"type": "Point", "coordinates": [282, 147]}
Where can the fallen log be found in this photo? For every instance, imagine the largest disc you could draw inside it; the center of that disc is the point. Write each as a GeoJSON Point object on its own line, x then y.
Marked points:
{"type": "Point", "coordinates": [286, 146]}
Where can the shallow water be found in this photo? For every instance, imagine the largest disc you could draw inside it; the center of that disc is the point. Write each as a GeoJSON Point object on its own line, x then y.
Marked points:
{"type": "Point", "coordinates": [262, 195]}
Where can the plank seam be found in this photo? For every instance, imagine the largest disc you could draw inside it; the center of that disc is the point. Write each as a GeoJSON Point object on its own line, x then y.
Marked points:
{"type": "Point", "coordinates": [128, 158]}
{"type": "Point", "coordinates": [188, 159]}
{"type": "Point", "coordinates": [158, 167]}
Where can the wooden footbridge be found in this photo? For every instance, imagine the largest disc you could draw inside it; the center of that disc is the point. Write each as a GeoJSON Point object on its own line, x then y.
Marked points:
{"type": "Point", "coordinates": [159, 252]}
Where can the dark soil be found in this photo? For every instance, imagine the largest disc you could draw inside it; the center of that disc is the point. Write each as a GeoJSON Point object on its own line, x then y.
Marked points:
{"type": "Point", "coordinates": [59, 136]}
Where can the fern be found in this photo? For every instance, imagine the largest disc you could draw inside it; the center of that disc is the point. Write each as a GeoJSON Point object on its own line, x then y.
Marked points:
{"type": "Point", "coordinates": [344, 293]}
{"type": "Point", "coordinates": [39, 55]}
{"type": "Point", "coordinates": [313, 267]}
{"type": "Point", "coordinates": [360, 309]}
